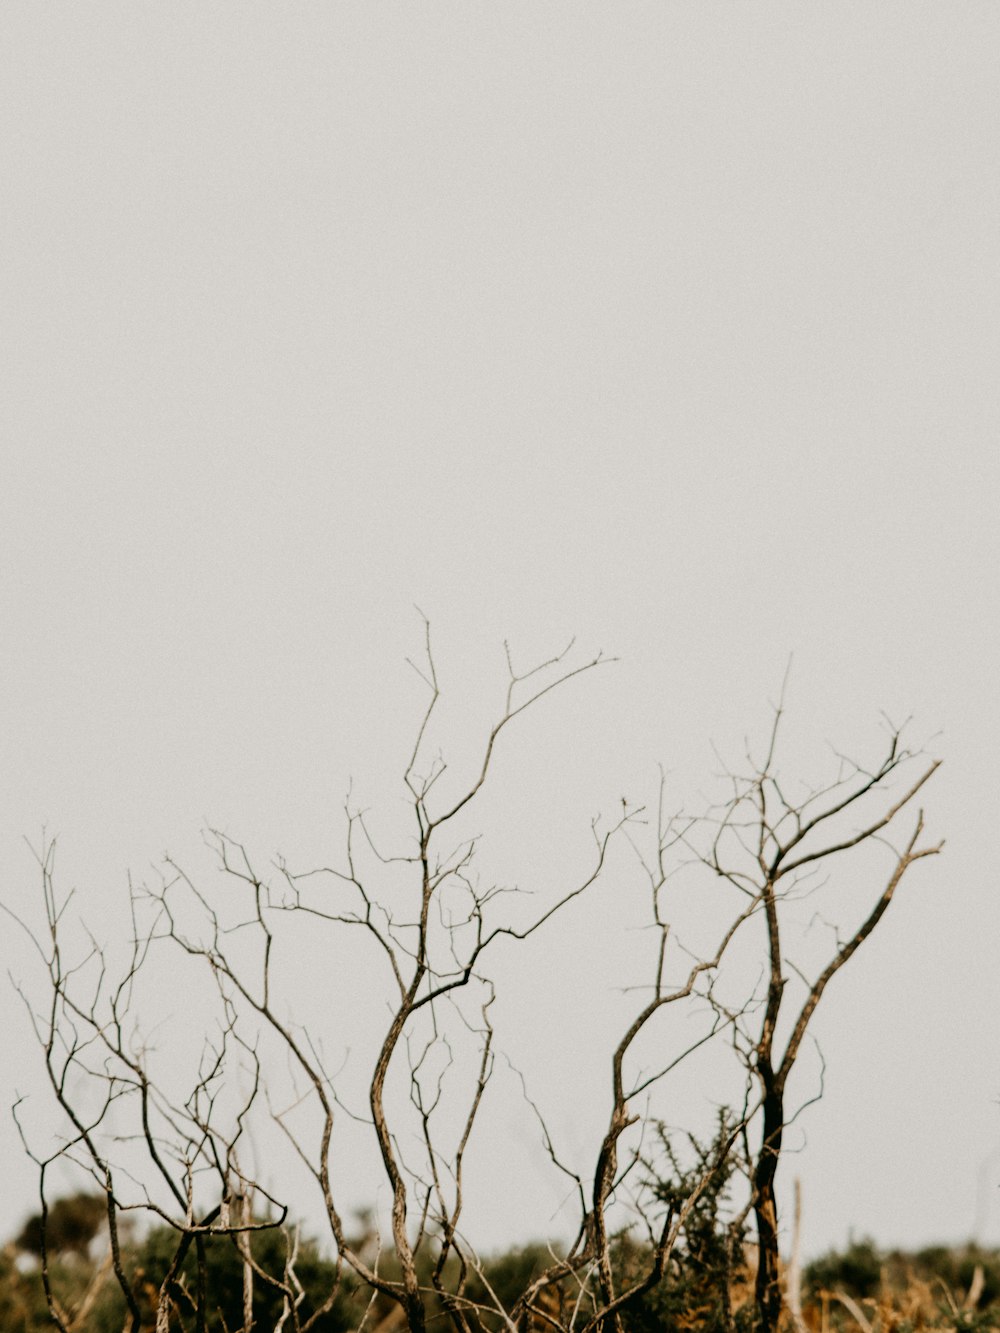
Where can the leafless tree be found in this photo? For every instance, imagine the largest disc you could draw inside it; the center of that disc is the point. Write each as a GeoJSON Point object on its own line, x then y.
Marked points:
{"type": "Point", "coordinates": [436, 947]}
{"type": "Point", "coordinates": [425, 912]}
{"type": "Point", "coordinates": [773, 847]}
{"type": "Point", "coordinates": [145, 1153]}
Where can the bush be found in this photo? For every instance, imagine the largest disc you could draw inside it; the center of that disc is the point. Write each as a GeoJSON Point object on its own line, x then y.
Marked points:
{"type": "Point", "coordinates": [71, 1225]}
{"type": "Point", "coordinates": [702, 1287]}
{"type": "Point", "coordinates": [856, 1270]}
{"type": "Point", "coordinates": [149, 1264]}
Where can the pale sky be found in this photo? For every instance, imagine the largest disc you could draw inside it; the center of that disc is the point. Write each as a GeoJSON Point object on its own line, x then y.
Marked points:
{"type": "Point", "coordinates": [674, 327]}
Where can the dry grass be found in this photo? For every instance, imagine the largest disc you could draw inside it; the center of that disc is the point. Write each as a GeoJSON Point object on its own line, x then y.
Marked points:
{"type": "Point", "coordinates": [919, 1303]}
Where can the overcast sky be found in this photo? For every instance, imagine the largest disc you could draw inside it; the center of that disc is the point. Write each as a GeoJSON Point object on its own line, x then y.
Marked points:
{"type": "Point", "coordinates": [670, 326]}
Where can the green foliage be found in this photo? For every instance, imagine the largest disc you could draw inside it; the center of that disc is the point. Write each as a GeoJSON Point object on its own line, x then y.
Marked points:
{"type": "Point", "coordinates": [862, 1270]}
{"type": "Point", "coordinates": [509, 1273]}
{"type": "Point", "coordinates": [149, 1263]}
{"type": "Point", "coordinates": [702, 1288]}
{"type": "Point", "coordinates": [910, 1292]}
{"type": "Point", "coordinates": [956, 1268]}
{"type": "Point", "coordinates": [707, 1288]}
{"type": "Point", "coordinates": [856, 1270]}
{"type": "Point", "coordinates": [71, 1225]}
{"type": "Point", "coordinates": [23, 1306]}
{"type": "Point", "coordinates": [22, 1299]}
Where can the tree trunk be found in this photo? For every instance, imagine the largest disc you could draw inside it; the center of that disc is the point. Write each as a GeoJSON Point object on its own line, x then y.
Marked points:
{"type": "Point", "coordinates": [768, 1287]}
